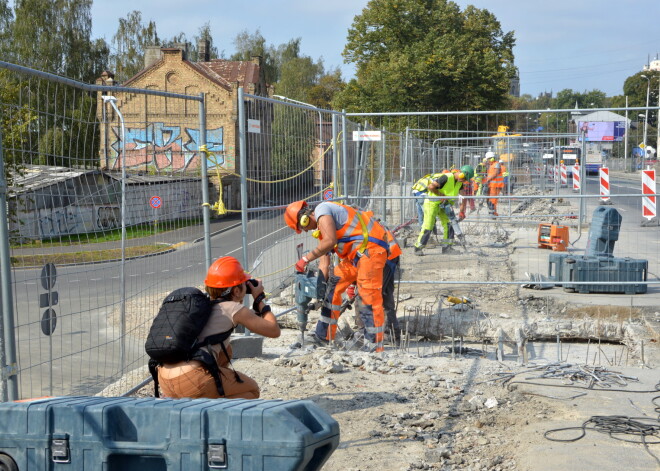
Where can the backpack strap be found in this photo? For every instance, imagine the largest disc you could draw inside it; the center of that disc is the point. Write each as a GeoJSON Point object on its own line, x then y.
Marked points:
{"type": "Point", "coordinates": [220, 339]}
{"type": "Point", "coordinates": [153, 369]}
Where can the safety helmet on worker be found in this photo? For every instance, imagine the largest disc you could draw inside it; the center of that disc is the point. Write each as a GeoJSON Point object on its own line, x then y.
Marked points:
{"type": "Point", "coordinates": [225, 272]}
{"type": "Point", "coordinates": [292, 215]}
{"type": "Point", "coordinates": [468, 171]}
{"type": "Point", "coordinates": [490, 154]}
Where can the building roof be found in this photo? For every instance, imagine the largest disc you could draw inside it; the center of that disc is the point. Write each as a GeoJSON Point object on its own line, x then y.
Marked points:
{"type": "Point", "coordinates": [35, 177]}
{"type": "Point", "coordinates": [220, 71]}
{"type": "Point", "coordinates": [601, 116]}
{"type": "Point", "coordinates": [146, 179]}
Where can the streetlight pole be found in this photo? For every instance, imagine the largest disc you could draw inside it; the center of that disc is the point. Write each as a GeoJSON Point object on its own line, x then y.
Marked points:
{"type": "Point", "coordinates": [646, 114]}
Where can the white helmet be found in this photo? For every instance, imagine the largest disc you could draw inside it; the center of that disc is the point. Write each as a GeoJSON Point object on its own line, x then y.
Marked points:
{"type": "Point", "coordinates": [490, 154]}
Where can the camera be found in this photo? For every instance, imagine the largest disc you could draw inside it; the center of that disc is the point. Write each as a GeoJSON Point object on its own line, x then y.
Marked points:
{"type": "Point", "coordinates": [250, 284]}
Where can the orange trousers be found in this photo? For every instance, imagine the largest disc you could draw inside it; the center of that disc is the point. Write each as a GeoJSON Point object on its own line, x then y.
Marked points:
{"type": "Point", "coordinates": [368, 274]}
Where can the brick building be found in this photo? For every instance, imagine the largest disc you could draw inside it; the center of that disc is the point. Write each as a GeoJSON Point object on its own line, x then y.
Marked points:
{"type": "Point", "coordinates": [162, 134]}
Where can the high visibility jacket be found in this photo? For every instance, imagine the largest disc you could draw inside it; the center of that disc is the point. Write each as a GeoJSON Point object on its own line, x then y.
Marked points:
{"type": "Point", "coordinates": [360, 232]}
{"type": "Point", "coordinates": [422, 185]}
{"type": "Point", "coordinates": [481, 169]}
{"type": "Point", "coordinates": [495, 177]}
{"type": "Point", "coordinates": [451, 187]}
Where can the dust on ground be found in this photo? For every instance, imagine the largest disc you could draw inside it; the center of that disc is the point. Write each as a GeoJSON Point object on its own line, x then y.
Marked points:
{"type": "Point", "coordinates": [419, 405]}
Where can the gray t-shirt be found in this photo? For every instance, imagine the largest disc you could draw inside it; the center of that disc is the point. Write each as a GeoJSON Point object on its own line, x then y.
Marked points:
{"type": "Point", "coordinates": [338, 213]}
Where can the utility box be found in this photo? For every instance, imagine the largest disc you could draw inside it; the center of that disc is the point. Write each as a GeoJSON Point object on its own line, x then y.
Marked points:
{"type": "Point", "coordinates": [553, 237]}
{"type": "Point", "coordinates": [596, 270]}
{"type": "Point", "coordinates": [149, 434]}
{"type": "Point", "coordinates": [604, 231]}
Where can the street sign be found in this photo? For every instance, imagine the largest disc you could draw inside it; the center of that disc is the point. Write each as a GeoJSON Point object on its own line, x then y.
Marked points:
{"type": "Point", "coordinates": [48, 276]}
{"type": "Point", "coordinates": [366, 135]}
{"type": "Point", "coordinates": [155, 202]}
{"type": "Point", "coordinates": [48, 322]}
{"type": "Point", "coordinates": [327, 194]}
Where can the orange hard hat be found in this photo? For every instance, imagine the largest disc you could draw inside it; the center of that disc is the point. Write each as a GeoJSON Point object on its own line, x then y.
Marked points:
{"type": "Point", "coordinates": [291, 214]}
{"type": "Point", "coordinates": [225, 272]}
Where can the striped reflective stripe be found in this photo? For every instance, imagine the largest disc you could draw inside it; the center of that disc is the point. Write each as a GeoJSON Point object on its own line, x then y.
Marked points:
{"type": "Point", "coordinates": [328, 320]}
{"type": "Point", "coordinates": [375, 330]}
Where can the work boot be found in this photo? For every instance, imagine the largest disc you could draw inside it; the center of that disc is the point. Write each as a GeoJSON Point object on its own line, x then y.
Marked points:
{"type": "Point", "coordinates": [419, 251]}
{"type": "Point", "coordinates": [316, 340]}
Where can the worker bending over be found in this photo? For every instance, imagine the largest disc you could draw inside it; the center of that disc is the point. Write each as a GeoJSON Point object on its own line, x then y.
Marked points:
{"type": "Point", "coordinates": [447, 185]}
{"type": "Point", "coordinates": [363, 246]}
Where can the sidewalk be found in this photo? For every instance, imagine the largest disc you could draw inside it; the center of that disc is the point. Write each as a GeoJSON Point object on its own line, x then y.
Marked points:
{"type": "Point", "coordinates": [189, 235]}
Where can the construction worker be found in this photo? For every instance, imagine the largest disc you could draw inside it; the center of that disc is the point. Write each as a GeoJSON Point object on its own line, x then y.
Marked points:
{"type": "Point", "coordinates": [495, 182]}
{"type": "Point", "coordinates": [505, 178]}
{"type": "Point", "coordinates": [449, 185]}
{"type": "Point", "coordinates": [420, 190]}
{"type": "Point", "coordinates": [363, 246]}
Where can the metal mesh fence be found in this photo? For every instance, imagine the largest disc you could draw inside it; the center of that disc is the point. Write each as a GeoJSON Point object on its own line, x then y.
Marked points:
{"type": "Point", "coordinates": [107, 212]}
{"type": "Point", "coordinates": [96, 206]}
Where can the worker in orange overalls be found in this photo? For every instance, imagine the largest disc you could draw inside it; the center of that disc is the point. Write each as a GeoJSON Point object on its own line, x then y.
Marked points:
{"type": "Point", "coordinates": [363, 246]}
{"type": "Point", "coordinates": [495, 181]}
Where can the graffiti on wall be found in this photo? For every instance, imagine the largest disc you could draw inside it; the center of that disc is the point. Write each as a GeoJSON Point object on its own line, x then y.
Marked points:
{"type": "Point", "coordinates": [60, 221]}
{"type": "Point", "coordinates": [165, 148]}
{"type": "Point", "coordinates": [107, 217]}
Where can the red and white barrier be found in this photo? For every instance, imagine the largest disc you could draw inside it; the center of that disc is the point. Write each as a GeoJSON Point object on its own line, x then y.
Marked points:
{"type": "Point", "coordinates": [604, 174]}
{"type": "Point", "coordinates": [576, 177]}
{"type": "Point", "coordinates": [648, 188]}
{"type": "Point", "coordinates": [563, 175]}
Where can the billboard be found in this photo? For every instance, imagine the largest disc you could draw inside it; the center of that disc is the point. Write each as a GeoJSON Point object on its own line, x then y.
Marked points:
{"type": "Point", "coordinates": [602, 131]}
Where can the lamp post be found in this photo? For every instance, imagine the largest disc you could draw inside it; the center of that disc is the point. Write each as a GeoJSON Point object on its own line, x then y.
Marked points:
{"type": "Point", "coordinates": [646, 113]}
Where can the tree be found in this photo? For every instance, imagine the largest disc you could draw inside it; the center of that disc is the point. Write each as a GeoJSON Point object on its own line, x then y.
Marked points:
{"type": "Point", "coordinates": [130, 41]}
{"type": "Point", "coordinates": [322, 94]}
{"type": "Point", "coordinates": [6, 24]}
{"type": "Point", "coordinates": [427, 55]}
{"type": "Point", "coordinates": [250, 45]}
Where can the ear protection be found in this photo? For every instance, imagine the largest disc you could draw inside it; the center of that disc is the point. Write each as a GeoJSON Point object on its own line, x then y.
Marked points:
{"type": "Point", "coordinates": [461, 176]}
{"type": "Point", "coordinates": [303, 221]}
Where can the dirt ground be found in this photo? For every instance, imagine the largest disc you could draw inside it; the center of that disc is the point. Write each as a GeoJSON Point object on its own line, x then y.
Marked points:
{"type": "Point", "coordinates": [418, 406]}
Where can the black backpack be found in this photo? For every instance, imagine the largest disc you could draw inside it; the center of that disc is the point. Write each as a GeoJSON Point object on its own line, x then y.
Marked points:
{"type": "Point", "coordinates": [173, 334]}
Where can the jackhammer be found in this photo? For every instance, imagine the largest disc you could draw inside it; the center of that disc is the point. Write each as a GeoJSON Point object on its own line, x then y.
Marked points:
{"type": "Point", "coordinates": [308, 286]}
{"type": "Point", "coordinates": [453, 221]}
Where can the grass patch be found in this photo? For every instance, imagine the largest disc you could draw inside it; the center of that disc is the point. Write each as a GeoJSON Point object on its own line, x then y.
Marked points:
{"type": "Point", "coordinates": [132, 232]}
{"type": "Point", "coordinates": [86, 257]}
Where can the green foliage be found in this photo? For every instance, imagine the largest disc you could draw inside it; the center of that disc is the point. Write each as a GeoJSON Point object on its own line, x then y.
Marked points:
{"type": "Point", "coordinates": [250, 45]}
{"type": "Point", "coordinates": [16, 120]}
{"type": "Point", "coordinates": [130, 42]}
{"type": "Point", "coordinates": [292, 145]}
{"type": "Point", "coordinates": [328, 85]}
{"type": "Point", "coordinates": [426, 55]}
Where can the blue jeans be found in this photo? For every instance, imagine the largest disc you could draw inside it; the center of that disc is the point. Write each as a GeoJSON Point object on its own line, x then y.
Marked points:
{"type": "Point", "coordinates": [419, 203]}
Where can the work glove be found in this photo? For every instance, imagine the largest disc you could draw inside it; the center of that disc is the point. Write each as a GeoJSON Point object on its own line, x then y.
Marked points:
{"type": "Point", "coordinates": [301, 264]}
{"type": "Point", "coordinates": [351, 291]}
{"type": "Point", "coordinates": [461, 216]}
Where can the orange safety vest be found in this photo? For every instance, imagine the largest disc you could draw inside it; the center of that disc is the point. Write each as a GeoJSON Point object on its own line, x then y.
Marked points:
{"type": "Point", "coordinates": [359, 233]}
{"type": "Point", "coordinates": [496, 175]}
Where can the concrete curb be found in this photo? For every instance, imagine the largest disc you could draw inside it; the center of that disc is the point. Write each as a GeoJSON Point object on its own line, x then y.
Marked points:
{"type": "Point", "coordinates": [173, 248]}
{"type": "Point", "coordinates": [224, 229]}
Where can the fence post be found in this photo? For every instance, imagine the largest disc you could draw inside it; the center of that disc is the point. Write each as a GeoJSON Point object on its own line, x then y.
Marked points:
{"type": "Point", "coordinates": [344, 155]}
{"type": "Point", "coordinates": [8, 370]}
{"type": "Point", "coordinates": [206, 209]}
{"type": "Point", "coordinates": [242, 139]}
{"type": "Point", "coordinates": [335, 161]}
{"type": "Point", "coordinates": [383, 175]}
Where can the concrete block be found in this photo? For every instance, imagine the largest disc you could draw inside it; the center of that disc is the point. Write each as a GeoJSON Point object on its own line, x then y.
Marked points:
{"type": "Point", "coordinates": [246, 346]}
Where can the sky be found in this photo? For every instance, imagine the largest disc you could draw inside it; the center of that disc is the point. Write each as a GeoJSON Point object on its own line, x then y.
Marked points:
{"type": "Point", "coordinates": [576, 44]}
